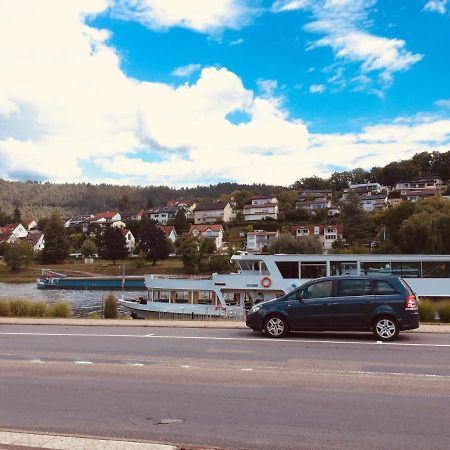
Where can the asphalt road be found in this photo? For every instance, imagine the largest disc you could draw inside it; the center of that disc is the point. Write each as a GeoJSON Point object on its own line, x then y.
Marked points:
{"type": "Point", "coordinates": [227, 388]}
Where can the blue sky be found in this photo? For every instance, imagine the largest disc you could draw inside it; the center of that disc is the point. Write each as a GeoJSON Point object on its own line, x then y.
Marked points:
{"type": "Point", "coordinates": [181, 93]}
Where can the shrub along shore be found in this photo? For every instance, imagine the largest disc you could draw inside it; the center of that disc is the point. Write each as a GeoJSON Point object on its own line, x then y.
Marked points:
{"type": "Point", "coordinates": [434, 311]}
{"type": "Point", "coordinates": [18, 307]}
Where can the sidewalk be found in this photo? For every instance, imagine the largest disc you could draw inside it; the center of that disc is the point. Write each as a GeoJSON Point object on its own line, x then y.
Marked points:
{"type": "Point", "coordinates": [214, 324]}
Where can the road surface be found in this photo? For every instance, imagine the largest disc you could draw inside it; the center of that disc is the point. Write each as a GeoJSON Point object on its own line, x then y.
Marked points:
{"type": "Point", "coordinates": [227, 388]}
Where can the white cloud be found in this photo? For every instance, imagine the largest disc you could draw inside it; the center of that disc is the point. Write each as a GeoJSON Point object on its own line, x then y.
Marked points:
{"type": "Point", "coordinates": [237, 42]}
{"type": "Point", "coordinates": [204, 16]}
{"type": "Point", "coordinates": [64, 100]}
{"type": "Point", "coordinates": [345, 26]}
{"type": "Point", "coordinates": [317, 89]}
{"type": "Point", "coordinates": [186, 71]}
{"type": "Point", "coordinates": [439, 6]}
{"type": "Point", "coordinates": [444, 103]}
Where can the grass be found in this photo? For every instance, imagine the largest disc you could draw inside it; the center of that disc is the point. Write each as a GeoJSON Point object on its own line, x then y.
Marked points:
{"type": "Point", "coordinates": [443, 309]}
{"type": "Point", "coordinates": [427, 311]}
{"type": "Point", "coordinates": [18, 307]}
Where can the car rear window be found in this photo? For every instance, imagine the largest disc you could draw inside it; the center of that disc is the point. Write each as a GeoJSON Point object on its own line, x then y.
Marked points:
{"type": "Point", "coordinates": [384, 288]}
{"type": "Point", "coordinates": [354, 287]}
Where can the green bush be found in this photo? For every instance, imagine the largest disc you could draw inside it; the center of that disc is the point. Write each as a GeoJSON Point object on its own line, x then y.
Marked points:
{"type": "Point", "coordinates": [110, 307]}
{"type": "Point", "coordinates": [60, 309]}
{"type": "Point", "coordinates": [443, 309]}
{"type": "Point", "coordinates": [19, 307]}
{"type": "Point", "coordinates": [5, 310]}
{"type": "Point", "coordinates": [427, 310]}
{"type": "Point", "coordinates": [38, 309]}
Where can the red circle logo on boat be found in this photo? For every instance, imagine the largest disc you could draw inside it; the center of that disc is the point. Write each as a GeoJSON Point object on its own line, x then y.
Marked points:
{"type": "Point", "coordinates": [266, 282]}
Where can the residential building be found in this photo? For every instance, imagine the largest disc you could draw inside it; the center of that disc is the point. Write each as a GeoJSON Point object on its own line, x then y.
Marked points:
{"type": "Point", "coordinates": [36, 240]}
{"type": "Point", "coordinates": [419, 183]}
{"type": "Point", "coordinates": [133, 214]}
{"type": "Point", "coordinates": [261, 207]}
{"type": "Point", "coordinates": [258, 239]}
{"type": "Point", "coordinates": [374, 202]}
{"type": "Point", "coordinates": [214, 212]}
{"type": "Point", "coordinates": [129, 239]}
{"type": "Point", "coordinates": [314, 200]}
{"type": "Point", "coordinates": [29, 224]}
{"type": "Point", "coordinates": [414, 195]}
{"type": "Point", "coordinates": [187, 205]}
{"type": "Point", "coordinates": [81, 221]}
{"type": "Point", "coordinates": [107, 217]}
{"type": "Point", "coordinates": [169, 231]}
{"type": "Point", "coordinates": [214, 232]}
{"type": "Point", "coordinates": [327, 234]}
{"type": "Point", "coordinates": [162, 215]}
{"type": "Point", "coordinates": [364, 189]}
{"type": "Point", "coordinates": [12, 231]}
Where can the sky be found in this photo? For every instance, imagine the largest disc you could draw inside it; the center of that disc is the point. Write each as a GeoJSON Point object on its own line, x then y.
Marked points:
{"type": "Point", "coordinates": [188, 92]}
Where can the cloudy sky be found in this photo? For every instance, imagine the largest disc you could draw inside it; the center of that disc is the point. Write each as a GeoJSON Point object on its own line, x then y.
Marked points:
{"type": "Point", "coordinates": [186, 92]}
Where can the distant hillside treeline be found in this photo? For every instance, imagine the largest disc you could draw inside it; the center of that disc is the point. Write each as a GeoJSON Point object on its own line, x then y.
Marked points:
{"type": "Point", "coordinates": [35, 199]}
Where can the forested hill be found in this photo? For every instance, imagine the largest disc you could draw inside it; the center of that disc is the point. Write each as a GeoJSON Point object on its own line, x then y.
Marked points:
{"type": "Point", "coordinates": [37, 199]}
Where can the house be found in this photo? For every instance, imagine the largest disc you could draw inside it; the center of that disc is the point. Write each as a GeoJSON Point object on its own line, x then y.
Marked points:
{"type": "Point", "coordinates": [261, 207]}
{"type": "Point", "coordinates": [414, 195]}
{"type": "Point", "coordinates": [162, 215]}
{"type": "Point", "coordinates": [214, 212]}
{"type": "Point", "coordinates": [364, 189]}
{"type": "Point", "coordinates": [169, 232]}
{"type": "Point", "coordinates": [188, 206]}
{"type": "Point", "coordinates": [419, 183]}
{"type": "Point", "coordinates": [81, 221]}
{"type": "Point", "coordinates": [214, 232]}
{"type": "Point", "coordinates": [327, 234]}
{"type": "Point", "coordinates": [258, 239]}
{"type": "Point", "coordinates": [314, 200]}
{"type": "Point", "coordinates": [132, 214]}
{"type": "Point", "coordinates": [107, 217]}
{"type": "Point", "coordinates": [129, 239]}
{"type": "Point", "coordinates": [374, 202]}
{"type": "Point", "coordinates": [29, 224]}
{"type": "Point", "coordinates": [12, 231]}
{"type": "Point", "coordinates": [36, 240]}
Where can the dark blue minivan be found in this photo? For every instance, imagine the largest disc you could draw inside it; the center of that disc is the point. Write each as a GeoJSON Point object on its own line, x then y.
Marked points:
{"type": "Point", "coordinates": [384, 305]}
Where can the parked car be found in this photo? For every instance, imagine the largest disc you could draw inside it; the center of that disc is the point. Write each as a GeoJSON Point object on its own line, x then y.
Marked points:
{"type": "Point", "coordinates": [384, 305]}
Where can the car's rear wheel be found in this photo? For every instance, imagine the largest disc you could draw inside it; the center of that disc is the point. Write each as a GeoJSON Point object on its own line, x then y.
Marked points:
{"type": "Point", "coordinates": [385, 328]}
{"type": "Point", "coordinates": [276, 327]}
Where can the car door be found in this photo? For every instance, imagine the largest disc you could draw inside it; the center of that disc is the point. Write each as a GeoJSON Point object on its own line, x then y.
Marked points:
{"type": "Point", "coordinates": [353, 304]}
{"type": "Point", "coordinates": [308, 308]}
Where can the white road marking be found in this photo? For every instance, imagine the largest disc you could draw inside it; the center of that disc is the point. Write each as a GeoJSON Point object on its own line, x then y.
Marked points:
{"type": "Point", "coordinates": [136, 364]}
{"type": "Point", "coordinates": [184, 366]}
{"type": "Point", "coordinates": [246, 369]}
{"type": "Point", "coordinates": [149, 335]}
{"type": "Point", "coordinates": [239, 339]}
{"type": "Point", "coordinates": [36, 361]}
{"type": "Point", "coordinates": [83, 362]}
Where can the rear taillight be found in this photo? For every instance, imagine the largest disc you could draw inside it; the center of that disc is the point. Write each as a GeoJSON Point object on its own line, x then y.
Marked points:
{"type": "Point", "coordinates": [411, 303]}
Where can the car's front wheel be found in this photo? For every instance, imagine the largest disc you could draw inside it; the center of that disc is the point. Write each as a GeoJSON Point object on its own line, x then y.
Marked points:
{"type": "Point", "coordinates": [386, 328]}
{"type": "Point", "coordinates": [276, 327]}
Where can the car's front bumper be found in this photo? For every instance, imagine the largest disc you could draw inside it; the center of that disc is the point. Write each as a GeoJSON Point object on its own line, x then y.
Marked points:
{"type": "Point", "coordinates": [255, 320]}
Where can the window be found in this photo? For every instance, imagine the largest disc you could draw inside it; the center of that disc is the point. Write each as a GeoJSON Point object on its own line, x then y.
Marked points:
{"type": "Point", "coordinates": [438, 269]}
{"type": "Point", "coordinates": [384, 288]}
{"type": "Point", "coordinates": [182, 297]}
{"type": "Point", "coordinates": [351, 288]}
{"type": "Point", "coordinates": [368, 268]}
{"type": "Point", "coordinates": [322, 289]}
{"type": "Point", "coordinates": [343, 268]}
{"type": "Point", "coordinates": [288, 269]}
{"type": "Point", "coordinates": [406, 269]}
{"type": "Point", "coordinates": [313, 270]}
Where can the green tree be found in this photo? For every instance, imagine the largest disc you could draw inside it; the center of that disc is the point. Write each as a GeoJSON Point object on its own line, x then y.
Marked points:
{"type": "Point", "coordinates": [189, 249]}
{"type": "Point", "coordinates": [113, 244]}
{"type": "Point", "coordinates": [180, 221]}
{"type": "Point", "coordinates": [89, 248]}
{"type": "Point", "coordinates": [207, 246]}
{"type": "Point", "coordinates": [17, 216]}
{"type": "Point", "coordinates": [313, 183]}
{"type": "Point", "coordinates": [18, 255]}
{"type": "Point", "coordinates": [288, 244]}
{"type": "Point", "coordinates": [153, 242]}
{"type": "Point", "coordinates": [56, 243]}
{"type": "Point", "coordinates": [241, 197]}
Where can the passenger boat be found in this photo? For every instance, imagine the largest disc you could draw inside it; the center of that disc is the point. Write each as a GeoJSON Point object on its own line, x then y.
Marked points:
{"type": "Point", "coordinates": [262, 277]}
{"type": "Point", "coordinates": [54, 280]}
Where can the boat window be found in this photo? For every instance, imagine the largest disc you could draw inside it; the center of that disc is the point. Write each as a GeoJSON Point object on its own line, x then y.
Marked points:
{"type": "Point", "coordinates": [406, 269]}
{"type": "Point", "coordinates": [383, 268]}
{"type": "Point", "coordinates": [161, 296]}
{"type": "Point", "coordinates": [322, 289]}
{"type": "Point", "coordinates": [233, 298]}
{"type": "Point", "coordinates": [437, 269]}
{"type": "Point", "coordinates": [343, 268]}
{"type": "Point", "coordinates": [264, 270]}
{"type": "Point", "coordinates": [182, 297]}
{"type": "Point", "coordinates": [249, 265]}
{"type": "Point", "coordinates": [288, 269]}
{"type": "Point", "coordinates": [313, 270]}
{"type": "Point", "coordinates": [353, 288]}
{"type": "Point", "coordinates": [204, 297]}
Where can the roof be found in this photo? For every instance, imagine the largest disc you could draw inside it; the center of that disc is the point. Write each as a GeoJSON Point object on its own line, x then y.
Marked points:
{"type": "Point", "coordinates": [32, 238]}
{"type": "Point", "coordinates": [106, 215]}
{"type": "Point", "coordinates": [124, 231]}
{"type": "Point", "coordinates": [133, 212]}
{"type": "Point", "coordinates": [262, 233]}
{"type": "Point", "coordinates": [373, 197]}
{"type": "Point", "coordinates": [213, 206]}
{"type": "Point", "coordinates": [313, 202]}
{"type": "Point", "coordinates": [167, 229]}
{"type": "Point", "coordinates": [262, 197]}
{"type": "Point", "coordinates": [9, 228]}
{"type": "Point", "coordinates": [421, 193]}
{"type": "Point", "coordinates": [203, 228]}
{"type": "Point", "coordinates": [163, 209]}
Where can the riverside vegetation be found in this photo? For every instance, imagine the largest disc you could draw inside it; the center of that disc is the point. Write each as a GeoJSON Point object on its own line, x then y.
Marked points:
{"type": "Point", "coordinates": [428, 311]}
{"type": "Point", "coordinates": [17, 307]}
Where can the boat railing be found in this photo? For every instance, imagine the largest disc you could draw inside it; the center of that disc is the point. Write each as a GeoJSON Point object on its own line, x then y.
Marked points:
{"type": "Point", "coordinates": [213, 313]}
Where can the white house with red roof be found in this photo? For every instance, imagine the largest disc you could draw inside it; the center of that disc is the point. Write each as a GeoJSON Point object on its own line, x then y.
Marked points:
{"type": "Point", "coordinates": [12, 232]}
{"type": "Point", "coordinates": [36, 240]}
{"type": "Point", "coordinates": [107, 217]}
{"type": "Point", "coordinates": [262, 207]}
{"type": "Point", "coordinates": [169, 231]}
{"type": "Point", "coordinates": [132, 214]}
{"type": "Point", "coordinates": [29, 224]}
{"type": "Point", "coordinates": [214, 232]}
{"type": "Point", "coordinates": [258, 239]}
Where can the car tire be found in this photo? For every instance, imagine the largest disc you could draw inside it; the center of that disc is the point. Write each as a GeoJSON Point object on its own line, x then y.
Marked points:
{"type": "Point", "coordinates": [276, 327]}
{"type": "Point", "coordinates": [385, 328]}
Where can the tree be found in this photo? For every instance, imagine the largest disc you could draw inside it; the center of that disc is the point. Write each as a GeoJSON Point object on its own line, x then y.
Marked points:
{"type": "Point", "coordinates": [88, 248]}
{"type": "Point", "coordinates": [56, 243]}
{"type": "Point", "coordinates": [189, 249]}
{"type": "Point", "coordinates": [17, 216]}
{"type": "Point", "coordinates": [124, 203]}
{"type": "Point", "coordinates": [207, 247]}
{"type": "Point", "coordinates": [113, 245]}
{"type": "Point", "coordinates": [180, 221]}
{"type": "Point", "coordinates": [286, 243]}
{"type": "Point", "coordinates": [153, 242]}
{"type": "Point", "coordinates": [241, 197]}
{"type": "Point", "coordinates": [18, 255]}
{"type": "Point", "coordinates": [314, 183]}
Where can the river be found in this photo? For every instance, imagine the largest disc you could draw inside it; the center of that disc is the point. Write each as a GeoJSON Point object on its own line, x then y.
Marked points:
{"type": "Point", "coordinates": [82, 302]}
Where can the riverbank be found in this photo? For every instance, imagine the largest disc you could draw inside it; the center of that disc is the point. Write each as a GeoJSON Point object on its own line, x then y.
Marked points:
{"type": "Point", "coordinates": [148, 323]}
{"type": "Point", "coordinates": [98, 267]}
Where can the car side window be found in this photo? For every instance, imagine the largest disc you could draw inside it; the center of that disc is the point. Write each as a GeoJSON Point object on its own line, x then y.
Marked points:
{"type": "Point", "coordinates": [354, 288]}
{"type": "Point", "coordinates": [384, 288]}
{"type": "Point", "coordinates": [321, 289]}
